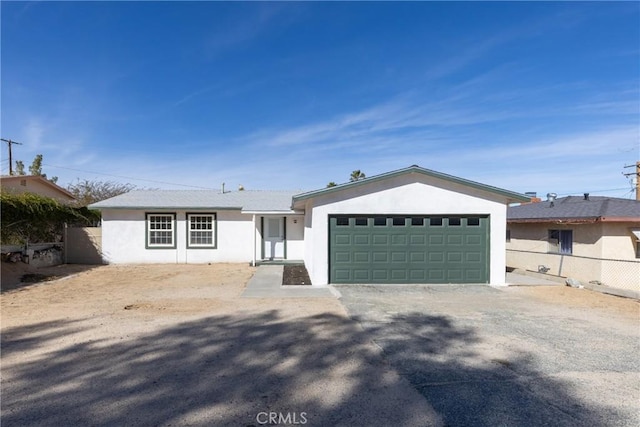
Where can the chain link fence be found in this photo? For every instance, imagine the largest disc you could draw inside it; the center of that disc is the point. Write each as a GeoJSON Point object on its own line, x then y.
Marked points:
{"type": "Point", "coordinates": [615, 273]}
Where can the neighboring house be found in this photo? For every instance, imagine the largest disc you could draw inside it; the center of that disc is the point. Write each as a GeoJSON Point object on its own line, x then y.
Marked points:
{"type": "Point", "coordinates": [588, 238]}
{"type": "Point", "coordinates": [35, 184]}
{"type": "Point", "coordinates": [412, 225]}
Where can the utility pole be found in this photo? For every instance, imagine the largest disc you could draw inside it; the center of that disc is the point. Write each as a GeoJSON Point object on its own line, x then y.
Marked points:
{"type": "Point", "coordinates": [637, 174]}
{"type": "Point", "coordinates": [10, 143]}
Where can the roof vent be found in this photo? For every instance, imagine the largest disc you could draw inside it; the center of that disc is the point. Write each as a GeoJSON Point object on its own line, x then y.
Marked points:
{"type": "Point", "coordinates": [586, 196]}
{"type": "Point", "coordinates": [551, 197]}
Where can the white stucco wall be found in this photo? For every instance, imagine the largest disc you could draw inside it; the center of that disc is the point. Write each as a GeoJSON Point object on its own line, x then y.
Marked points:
{"type": "Point", "coordinates": [123, 238]}
{"type": "Point", "coordinates": [411, 194]}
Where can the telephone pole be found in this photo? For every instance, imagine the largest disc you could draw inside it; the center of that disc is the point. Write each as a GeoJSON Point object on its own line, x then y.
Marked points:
{"type": "Point", "coordinates": [10, 143]}
{"type": "Point", "coordinates": [637, 174]}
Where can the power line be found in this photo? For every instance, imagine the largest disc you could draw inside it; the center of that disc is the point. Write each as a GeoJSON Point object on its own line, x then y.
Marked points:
{"type": "Point", "coordinates": [130, 178]}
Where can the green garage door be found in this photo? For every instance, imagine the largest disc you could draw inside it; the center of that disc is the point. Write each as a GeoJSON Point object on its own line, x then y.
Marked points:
{"type": "Point", "coordinates": [408, 249]}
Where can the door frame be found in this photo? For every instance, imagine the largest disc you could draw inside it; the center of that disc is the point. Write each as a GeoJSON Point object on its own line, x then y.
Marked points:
{"type": "Point", "coordinates": [263, 240]}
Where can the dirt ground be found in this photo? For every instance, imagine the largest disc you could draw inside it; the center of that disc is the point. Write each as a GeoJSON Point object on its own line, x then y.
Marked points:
{"type": "Point", "coordinates": [145, 290]}
{"type": "Point", "coordinates": [581, 298]}
{"type": "Point", "coordinates": [177, 345]}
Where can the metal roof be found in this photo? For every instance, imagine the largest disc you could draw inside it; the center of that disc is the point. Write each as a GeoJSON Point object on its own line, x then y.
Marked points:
{"type": "Point", "coordinates": [509, 195]}
{"type": "Point", "coordinates": [246, 200]}
{"type": "Point", "coordinates": [594, 208]}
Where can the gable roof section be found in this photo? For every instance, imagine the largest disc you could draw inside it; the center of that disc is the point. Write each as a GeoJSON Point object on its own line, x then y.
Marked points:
{"type": "Point", "coordinates": [247, 200]}
{"type": "Point", "coordinates": [13, 181]}
{"type": "Point", "coordinates": [509, 195]}
{"type": "Point", "coordinates": [577, 209]}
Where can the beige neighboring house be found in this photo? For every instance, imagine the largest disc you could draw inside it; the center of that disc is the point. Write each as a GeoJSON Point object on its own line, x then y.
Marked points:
{"type": "Point", "coordinates": [592, 239]}
{"type": "Point", "coordinates": [35, 184]}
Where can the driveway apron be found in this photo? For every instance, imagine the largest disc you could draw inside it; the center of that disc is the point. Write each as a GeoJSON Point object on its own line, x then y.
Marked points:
{"type": "Point", "coordinates": [485, 357]}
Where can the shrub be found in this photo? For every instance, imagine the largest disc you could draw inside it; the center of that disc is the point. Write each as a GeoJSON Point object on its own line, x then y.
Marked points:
{"type": "Point", "coordinates": [33, 218]}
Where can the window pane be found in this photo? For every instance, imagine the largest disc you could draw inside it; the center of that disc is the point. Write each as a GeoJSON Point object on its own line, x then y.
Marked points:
{"type": "Point", "coordinates": [454, 221]}
{"type": "Point", "coordinates": [417, 221]}
{"type": "Point", "coordinates": [473, 222]}
{"type": "Point", "coordinates": [398, 221]}
{"type": "Point", "coordinates": [342, 221]}
{"type": "Point", "coordinates": [380, 221]}
{"type": "Point", "coordinates": [435, 221]}
{"type": "Point", "coordinates": [362, 221]}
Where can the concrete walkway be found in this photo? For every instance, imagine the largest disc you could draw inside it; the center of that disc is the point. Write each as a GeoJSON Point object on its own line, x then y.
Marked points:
{"type": "Point", "coordinates": [267, 283]}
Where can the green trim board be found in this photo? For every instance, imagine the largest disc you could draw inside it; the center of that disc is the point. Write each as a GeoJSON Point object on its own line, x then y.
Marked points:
{"type": "Point", "coordinates": [284, 235]}
{"type": "Point", "coordinates": [262, 237]}
{"type": "Point", "coordinates": [174, 230]}
{"type": "Point", "coordinates": [512, 196]}
{"type": "Point", "coordinates": [409, 249]}
{"type": "Point", "coordinates": [214, 225]}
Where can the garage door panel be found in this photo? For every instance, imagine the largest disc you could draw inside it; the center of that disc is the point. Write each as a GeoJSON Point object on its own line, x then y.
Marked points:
{"type": "Point", "coordinates": [342, 275]}
{"type": "Point", "coordinates": [427, 250]}
{"type": "Point", "coordinates": [419, 257]}
{"type": "Point", "coordinates": [417, 239]}
{"type": "Point", "coordinates": [380, 275]}
{"type": "Point", "coordinates": [436, 239]}
{"type": "Point", "coordinates": [381, 257]}
{"type": "Point", "coordinates": [398, 257]}
{"type": "Point", "coordinates": [342, 257]}
{"type": "Point", "coordinates": [455, 276]}
{"type": "Point", "coordinates": [436, 257]}
{"type": "Point", "coordinates": [454, 257]}
{"type": "Point", "coordinates": [361, 239]}
{"type": "Point", "coordinates": [399, 240]}
{"type": "Point", "coordinates": [399, 275]}
{"type": "Point", "coordinates": [380, 240]}
{"type": "Point", "coordinates": [473, 276]}
{"type": "Point", "coordinates": [342, 239]}
{"type": "Point", "coordinates": [436, 275]}
{"type": "Point", "coordinates": [362, 275]}
{"type": "Point", "coordinates": [473, 257]}
{"type": "Point", "coordinates": [418, 275]}
{"type": "Point", "coordinates": [473, 240]}
{"type": "Point", "coordinates": [361, 257]}
{"type": "Point", "coordinates": [454, 240]}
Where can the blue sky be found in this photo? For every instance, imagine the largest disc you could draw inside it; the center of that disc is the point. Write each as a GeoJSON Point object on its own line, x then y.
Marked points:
{"type": "Point", "coordinates": [526, 96]}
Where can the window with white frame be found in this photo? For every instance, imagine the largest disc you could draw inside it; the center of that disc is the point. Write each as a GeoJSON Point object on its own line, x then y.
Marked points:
{"type": "Point", "coordinates": [161, 230]}
{"type": "Point", "coordinates": [201, 230]}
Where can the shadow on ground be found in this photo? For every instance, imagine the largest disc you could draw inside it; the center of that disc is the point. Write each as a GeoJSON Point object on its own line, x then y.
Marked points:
{"type": "Point", "coordinates": [225, 370]}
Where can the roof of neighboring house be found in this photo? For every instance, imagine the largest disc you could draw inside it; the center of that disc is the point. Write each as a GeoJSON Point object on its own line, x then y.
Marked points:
{"type": "Point", "coordinates": [14, 182]}
{"type": "Point", "coordinates": [247, 200]}
{"type": "Point", "coordinates": [577, 208]}
{"type": "Point", "coordinates": [509, 195]}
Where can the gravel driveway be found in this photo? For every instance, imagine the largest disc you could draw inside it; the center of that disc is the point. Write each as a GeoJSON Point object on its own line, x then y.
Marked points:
{"type": "Point", "coordinates": [505, 357]}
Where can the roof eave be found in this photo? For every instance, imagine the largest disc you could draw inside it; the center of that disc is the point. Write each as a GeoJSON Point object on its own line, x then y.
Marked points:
{"type": "Point", "coordinates": [573, 220]}
{"type": "Point", "coordinates": [166, 208]}
{"type": "Point", "coordinates": [510, 195]}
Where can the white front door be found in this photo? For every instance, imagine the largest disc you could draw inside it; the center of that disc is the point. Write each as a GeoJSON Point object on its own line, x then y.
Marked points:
{"type": "Point", "coordinates": [273, 238]}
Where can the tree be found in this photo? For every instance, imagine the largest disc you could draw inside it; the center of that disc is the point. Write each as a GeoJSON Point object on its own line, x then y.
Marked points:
{"type": "Point", "coordinates": [357, 175]}
{"type": "Point", "coordinates": [35, 169]}
{"type": "Point", "coordinates": [87, 192]}
{"type": "Point", "coordinates": [20, 168]}
{"type": "Point", "coordinates": [332, 184]}
{"type": "Point", "coordinates": [36, 166]}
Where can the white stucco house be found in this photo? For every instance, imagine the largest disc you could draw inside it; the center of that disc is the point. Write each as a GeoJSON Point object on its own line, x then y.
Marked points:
{"type": "Point", "coordinates": [412, 225]}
